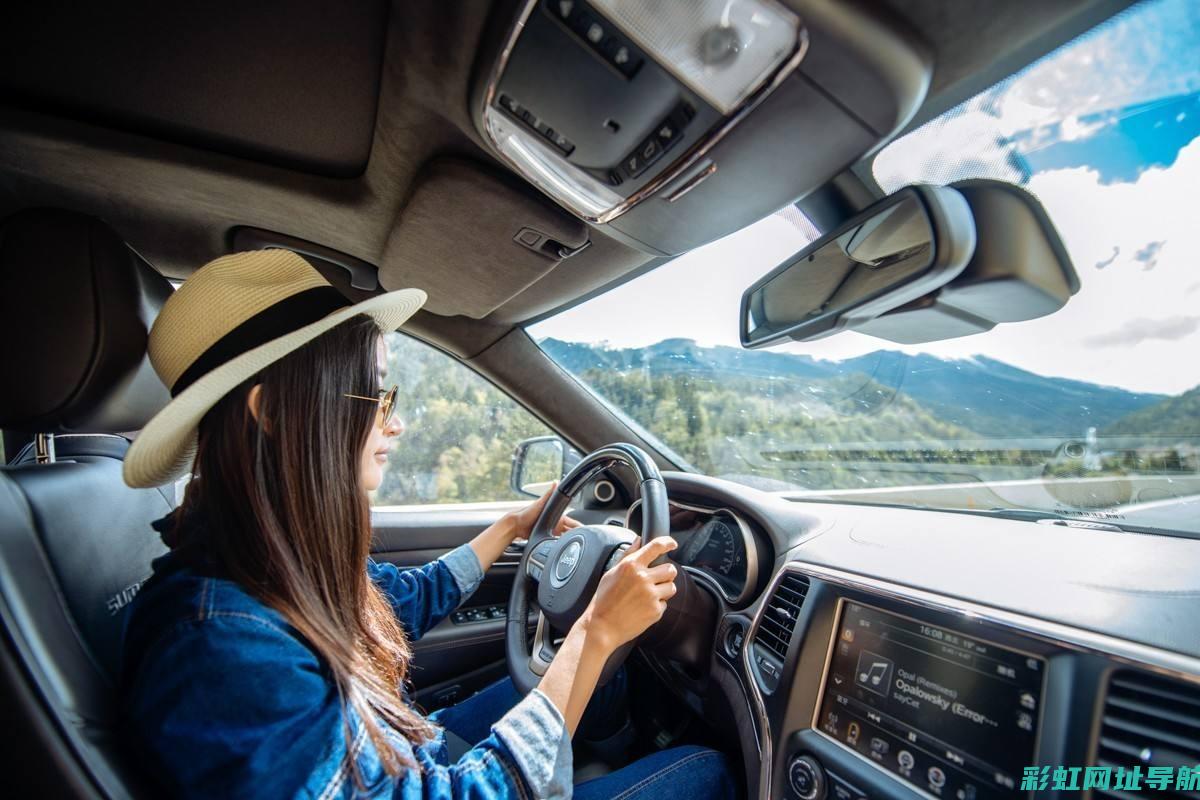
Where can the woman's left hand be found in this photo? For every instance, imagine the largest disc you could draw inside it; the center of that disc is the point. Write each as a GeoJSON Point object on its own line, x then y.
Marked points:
{"type": "Point", "coordinates": [523, 520]}
{"type": "Point", "coordinates": [492, 543]}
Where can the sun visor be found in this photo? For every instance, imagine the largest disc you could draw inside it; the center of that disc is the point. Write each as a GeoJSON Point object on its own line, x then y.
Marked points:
{"type": "Point", "coordinates": [473, 240]}
{"type": "Point", "coordinates": [296, 85]}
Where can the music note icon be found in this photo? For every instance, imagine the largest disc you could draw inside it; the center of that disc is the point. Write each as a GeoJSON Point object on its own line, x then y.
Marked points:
{"type": "Point", "coordinates": [874, 672]}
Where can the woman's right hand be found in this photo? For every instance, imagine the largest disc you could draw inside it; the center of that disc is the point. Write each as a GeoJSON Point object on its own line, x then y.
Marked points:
{"type": "Point", "coordinates": [633, 595]}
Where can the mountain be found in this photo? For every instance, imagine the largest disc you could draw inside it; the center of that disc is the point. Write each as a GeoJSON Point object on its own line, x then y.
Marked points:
{"type": "Point", "coordinates": [684, 355]}
{"type": "Point", "coordinates": [1174, 416]}
{"type": "Point", "coordinates": [993, 398]}
{"type": "Point", "coordinates": [980, 394]}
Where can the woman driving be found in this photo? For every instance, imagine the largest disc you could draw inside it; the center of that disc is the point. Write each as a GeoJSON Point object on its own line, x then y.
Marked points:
{"type": "Point", "coordinates": [267, 655]}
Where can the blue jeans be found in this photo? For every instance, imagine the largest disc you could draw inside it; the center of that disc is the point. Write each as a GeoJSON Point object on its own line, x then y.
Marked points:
{"type": "Point", "coordinates": [691, 772]}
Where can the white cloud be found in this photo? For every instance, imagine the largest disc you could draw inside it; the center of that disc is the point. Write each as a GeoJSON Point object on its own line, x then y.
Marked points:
{"type": "Point", "coordinates": [1136, 331]}
{"type": "Point", "coordinates": [1116, 221]}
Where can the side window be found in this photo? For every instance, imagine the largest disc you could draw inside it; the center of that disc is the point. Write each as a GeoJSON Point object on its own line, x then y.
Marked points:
{"type": "Point", "coordinates": [460, 431]}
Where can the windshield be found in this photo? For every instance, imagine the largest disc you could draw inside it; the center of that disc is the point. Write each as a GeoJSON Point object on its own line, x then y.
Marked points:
{"type": "Point", "coordinates": [1093, 411]}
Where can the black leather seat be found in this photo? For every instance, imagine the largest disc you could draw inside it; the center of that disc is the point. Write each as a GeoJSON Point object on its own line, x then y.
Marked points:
{"type": "Point", "coordinates": [75, 542]}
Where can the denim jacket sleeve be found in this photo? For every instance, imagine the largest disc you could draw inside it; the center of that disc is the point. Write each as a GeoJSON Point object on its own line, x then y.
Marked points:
{"type": "Point", "coordinates": [234, 705]}
{"type": "Point", "coordinates": [422, 597]}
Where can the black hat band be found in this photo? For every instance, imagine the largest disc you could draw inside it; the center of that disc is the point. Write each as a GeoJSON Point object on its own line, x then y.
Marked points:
{"type": "Point", "coordinates": [278, 319]}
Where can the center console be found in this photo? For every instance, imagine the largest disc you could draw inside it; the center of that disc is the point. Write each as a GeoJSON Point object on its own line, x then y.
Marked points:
{"type": "Point", "coordinates": [864, 689]}
{"type": "Point", "coordinates": [945, 711]}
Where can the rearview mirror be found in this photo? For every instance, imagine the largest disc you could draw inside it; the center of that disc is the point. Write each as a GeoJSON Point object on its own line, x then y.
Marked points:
{"type": "Point", "coordinates": [901, 248]}
{"type": "Point", "coordinates": [1020, 271]}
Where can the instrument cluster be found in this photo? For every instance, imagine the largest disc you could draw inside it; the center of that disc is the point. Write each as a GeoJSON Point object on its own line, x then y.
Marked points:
{"type": "Point", "coordinates": [714, 543]}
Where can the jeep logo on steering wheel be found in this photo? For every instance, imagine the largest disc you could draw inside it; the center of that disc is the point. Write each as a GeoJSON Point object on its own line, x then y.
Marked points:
{"type": "Point", "coordinates": [567, 561]}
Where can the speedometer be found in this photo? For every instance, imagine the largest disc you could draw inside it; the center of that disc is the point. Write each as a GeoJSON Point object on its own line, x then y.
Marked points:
{"type": "Point", "coordinates": [719, 549]}
{"type": "Point", "coordinates": [714, 543]}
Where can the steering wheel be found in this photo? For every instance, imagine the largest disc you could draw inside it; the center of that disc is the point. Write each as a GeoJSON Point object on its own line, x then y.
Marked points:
{"type": "Point", "coordinates": [566, 570]}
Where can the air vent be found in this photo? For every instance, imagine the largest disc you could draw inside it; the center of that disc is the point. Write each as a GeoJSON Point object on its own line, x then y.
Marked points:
{"type": "Point", "coordinates": [779, 617]}
{"type": "Point", "coordinates": [1149, 721]}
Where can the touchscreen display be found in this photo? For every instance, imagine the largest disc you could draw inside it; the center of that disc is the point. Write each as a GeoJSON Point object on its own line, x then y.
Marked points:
{"type": "Point", "coordinates": [955, 716]}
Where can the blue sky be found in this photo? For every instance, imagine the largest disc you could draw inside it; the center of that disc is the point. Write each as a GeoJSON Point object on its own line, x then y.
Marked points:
{"type": "Point", "coordinates": [1127, 142]}
{"type": "Point", "coordinates": [1106, 132]}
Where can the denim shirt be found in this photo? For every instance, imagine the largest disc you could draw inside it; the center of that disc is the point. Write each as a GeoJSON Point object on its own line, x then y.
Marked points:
{"type": "Point", "coordinates": [226, 699]}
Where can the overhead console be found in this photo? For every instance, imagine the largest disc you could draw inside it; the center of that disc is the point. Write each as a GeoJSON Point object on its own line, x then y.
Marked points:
{"type": "Point", "coordinates": [673, 124]}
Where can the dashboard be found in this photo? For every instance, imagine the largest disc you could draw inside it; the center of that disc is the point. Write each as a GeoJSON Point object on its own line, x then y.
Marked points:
{"type": "Point", "coordinates": [876, 653]}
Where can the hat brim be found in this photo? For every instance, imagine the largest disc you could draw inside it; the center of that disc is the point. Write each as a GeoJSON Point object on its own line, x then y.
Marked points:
{"type": "Point", "coordinates": [164, 449]}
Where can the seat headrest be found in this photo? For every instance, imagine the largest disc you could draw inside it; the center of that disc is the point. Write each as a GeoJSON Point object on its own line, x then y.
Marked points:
{"type": "Point", "coordinates": [77, 307]}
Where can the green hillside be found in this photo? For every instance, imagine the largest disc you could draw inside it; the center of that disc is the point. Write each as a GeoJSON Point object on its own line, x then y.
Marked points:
{"type": "Point", "coordinates": [1175, 416]}
{"type": "Point", "coordinates": [724, 426]}
{"type": "Point", "coordinates": [460, 431]}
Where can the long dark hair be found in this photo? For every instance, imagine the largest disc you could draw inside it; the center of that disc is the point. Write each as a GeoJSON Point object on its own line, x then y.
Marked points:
{"type": "Point", "coordinates": [289, 519]}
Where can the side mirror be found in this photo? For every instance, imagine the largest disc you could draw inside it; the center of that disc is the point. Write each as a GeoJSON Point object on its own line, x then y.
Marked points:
{"type": "Point", "coordinates": [540, 461]}
{"type": "Point", "coordinates": [903, 247]}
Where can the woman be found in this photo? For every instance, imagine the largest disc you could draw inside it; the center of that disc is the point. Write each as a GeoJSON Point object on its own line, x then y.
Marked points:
{"type": "Point", "coordinates": [267, 654]}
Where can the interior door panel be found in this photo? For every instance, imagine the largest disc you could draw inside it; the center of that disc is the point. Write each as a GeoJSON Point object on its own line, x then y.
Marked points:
{"type": "Point", "coordinates": [456, 657]}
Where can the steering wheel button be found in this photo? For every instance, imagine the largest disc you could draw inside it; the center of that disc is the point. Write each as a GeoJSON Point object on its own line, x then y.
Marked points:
{"type": "Point", "coordinates": [615, 558]}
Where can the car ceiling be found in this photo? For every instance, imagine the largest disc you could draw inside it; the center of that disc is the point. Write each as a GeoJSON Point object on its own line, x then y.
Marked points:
{"type": "Point", "coordinates": [317, 120]}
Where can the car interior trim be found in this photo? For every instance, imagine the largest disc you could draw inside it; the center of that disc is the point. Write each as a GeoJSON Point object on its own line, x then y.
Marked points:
{"type": "Point", "coordinates": [691, 183]}
{"type": "Point", "coordinates": [731, 667]}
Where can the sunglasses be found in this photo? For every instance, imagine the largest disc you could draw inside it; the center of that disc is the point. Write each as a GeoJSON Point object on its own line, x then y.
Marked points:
{"type": "Point", "coordinates": [387, 404]}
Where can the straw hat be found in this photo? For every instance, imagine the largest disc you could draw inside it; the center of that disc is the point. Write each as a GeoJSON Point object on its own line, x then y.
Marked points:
{"type": "Point", "coordinates": [229, 320]}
